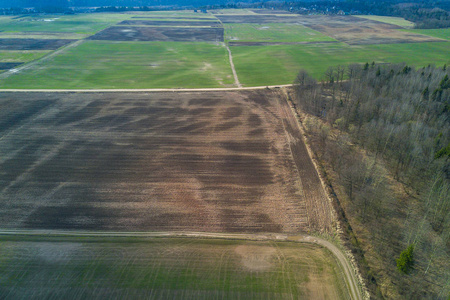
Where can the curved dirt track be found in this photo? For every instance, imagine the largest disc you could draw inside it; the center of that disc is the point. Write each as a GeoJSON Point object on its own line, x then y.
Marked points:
{"type": "Point", "coordinates": [303, 238]}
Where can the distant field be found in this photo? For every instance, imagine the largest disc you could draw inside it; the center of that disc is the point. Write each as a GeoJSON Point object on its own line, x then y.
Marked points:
{"type": "Point", "coordinates": [173, 14]}
{"type": "Point", "coordinates": [273, 32]}
{"type": "Point", "coordinates": [257, 65]}
{"type": "Point", "coordinates": [82, 23]}
{"type": "Point", "coordinates": [390, 20]}
{"type": "Point", "coordinates": [443, 33]}
{"type": "Point", "coordinates": [42, 35]}
{"type": "Point", "coordinates": [21, 56]}
{"type": "Point", "coordinates": [232, 12]}
{"type": "Point", "coordinates": [167, 268]}
{"type": "Point", "coordinates": [102, 64]}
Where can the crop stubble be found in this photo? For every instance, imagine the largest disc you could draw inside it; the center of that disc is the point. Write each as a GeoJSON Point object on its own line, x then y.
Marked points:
{"type": "Point", "coordinates": [203, 161]}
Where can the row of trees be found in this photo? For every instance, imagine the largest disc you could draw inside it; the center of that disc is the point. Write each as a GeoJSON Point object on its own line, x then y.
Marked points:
{"type": "Point", "coordinates": [384, 130]}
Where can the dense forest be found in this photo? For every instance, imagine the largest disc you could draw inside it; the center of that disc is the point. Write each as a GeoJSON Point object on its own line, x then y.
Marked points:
{"type": "Point", "coordinates": [381, 132]}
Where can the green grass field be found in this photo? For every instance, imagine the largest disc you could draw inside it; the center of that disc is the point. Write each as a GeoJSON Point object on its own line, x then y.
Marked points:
{"type": "Point", "coordinates": [167, 268]}
{"type": "Point", "coordinates": [443, 33]}
{"type": "Point", "coordinates": [21, 56]}
{"type": "Point", "coordinates": [390, 20]}
{"type": "Point", "coordinates": [82, 23]}
{"type": "Point", "coordinates": [273, 32]}
{"type": "Point", "coordinates": [101, 64]}
{"type": "Point", "coordinates": [270, 65]}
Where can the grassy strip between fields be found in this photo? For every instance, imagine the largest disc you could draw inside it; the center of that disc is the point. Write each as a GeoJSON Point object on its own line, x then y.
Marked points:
{"type": "Point", "coordinates": [21, 56]}
{"type": "Point", "coordinates": [390, 20]}
{"type": "Point", "coordinates": [168, 267]}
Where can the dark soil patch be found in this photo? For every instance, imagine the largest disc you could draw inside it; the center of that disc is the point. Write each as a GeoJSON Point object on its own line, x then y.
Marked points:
{"type": "Point", "coordinates": [33, 44]}
{"type": "Point", "coordinates": [177, 34]}
{"type": "Point", "coordinates": [9, 65]}
{"type": "Point", "coordinates": [148, 161]}
{"type": "Point", "coordinates": [170, 23]}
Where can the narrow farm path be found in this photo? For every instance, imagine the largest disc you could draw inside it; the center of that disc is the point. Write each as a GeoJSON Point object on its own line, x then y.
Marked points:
{"type": "Point", "coordinates": [236, 79]}
{"type": "Point", "coordinates": [301, 238]}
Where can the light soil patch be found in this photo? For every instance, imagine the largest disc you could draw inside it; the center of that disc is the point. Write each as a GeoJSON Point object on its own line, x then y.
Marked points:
{"type": "Point", "coordinates": [256, 258]}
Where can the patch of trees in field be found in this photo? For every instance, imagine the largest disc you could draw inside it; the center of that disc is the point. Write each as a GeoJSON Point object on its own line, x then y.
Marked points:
{"type": "Point", "coordinates": [383, 133]}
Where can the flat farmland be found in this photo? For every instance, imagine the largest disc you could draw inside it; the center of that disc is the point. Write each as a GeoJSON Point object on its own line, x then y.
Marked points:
{"type": "Point", "coordinates": [256, 65]}
{"type": "Point", "coordinates": [109, 64]}
{"type": "Point", "coordinates": [272, 32]}
{"type": "Point", "coordinates": [82, 23]}
{"type": "Point", "coordinates": [360, 31]}
{"type": "Point", "coordinates": [160, 33]}
{"type": "Point", "coordinates": [33, 44]}
{"type": "Point", "coordinates": [183, 49]}
{"type": "Point", "coordinates": [21, 55]}
{"type": "Point", "coordinates": [172, 22]}
{"type": "Point", "coordinates": [443, 33]}
{"type": "Point", "coordinates": [161, 268]}
{"type": "Point", "coordinates": [200, 161]}
{"type": "Point", "coordinates": [257, 18]}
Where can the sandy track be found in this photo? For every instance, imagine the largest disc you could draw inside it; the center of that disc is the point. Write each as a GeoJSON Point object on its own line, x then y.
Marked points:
{"type": "Point", "coordinates": [236, 79]}
{"type": "Point", "coordinates": [340, 256]}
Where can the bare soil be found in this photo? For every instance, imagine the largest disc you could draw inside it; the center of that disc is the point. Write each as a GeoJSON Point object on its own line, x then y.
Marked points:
{"type": "Point", "coordinates": [9, 65]}
{"type": "Point", "coordinates": [170, 23]}
{"type": "Point", "coordinates": [177, 34]}
{"type": "Point", "coordinates": [33, 44]}
{"type": "Point", "coordinates": [194, 161]}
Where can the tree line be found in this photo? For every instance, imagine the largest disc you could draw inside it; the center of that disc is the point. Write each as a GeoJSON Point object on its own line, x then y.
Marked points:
{"type": "Point", "coordinates": [384, 131]}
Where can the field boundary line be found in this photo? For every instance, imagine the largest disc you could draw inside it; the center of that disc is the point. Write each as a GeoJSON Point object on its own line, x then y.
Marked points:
{"type": "Point", "coordinates": [299, 238]}
{"type": "Point", "coordinates": [145, 90]}
{"type": "Point", "coordinates": [236, 79]}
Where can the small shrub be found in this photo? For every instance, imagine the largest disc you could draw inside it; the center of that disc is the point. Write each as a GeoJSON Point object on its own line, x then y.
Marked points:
{"type": "Point", "coordinates": [406, 260]}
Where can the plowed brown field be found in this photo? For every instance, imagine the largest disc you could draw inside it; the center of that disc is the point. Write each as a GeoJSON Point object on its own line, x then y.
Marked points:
{"type": "Point", "coordinates": [201, 161]}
